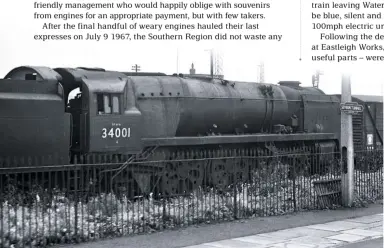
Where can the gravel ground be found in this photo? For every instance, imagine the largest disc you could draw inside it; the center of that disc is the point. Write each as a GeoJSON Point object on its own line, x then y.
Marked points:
{"type": "Point", "coordinates": [208, 233]}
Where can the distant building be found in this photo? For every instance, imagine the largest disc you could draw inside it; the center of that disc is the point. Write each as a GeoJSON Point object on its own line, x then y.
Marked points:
{"type": "Point", "coordinates": [192, 71]}
{"type": "Point", "coordinates": [192, 74]}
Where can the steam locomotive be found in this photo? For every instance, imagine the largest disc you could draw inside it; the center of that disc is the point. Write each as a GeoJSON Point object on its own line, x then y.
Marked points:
{"type": "Point", "coordinates": [130, 115]}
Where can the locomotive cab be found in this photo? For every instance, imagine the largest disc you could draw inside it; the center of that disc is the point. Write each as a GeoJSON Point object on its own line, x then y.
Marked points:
{"type": "Point", "coordinates": [104, 120]}
{"type": "Point", "coordinates": [111, 127]}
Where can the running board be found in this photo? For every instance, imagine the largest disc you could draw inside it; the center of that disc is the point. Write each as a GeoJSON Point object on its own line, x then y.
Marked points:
{"type": "Point", "coordinates": [237, 139]}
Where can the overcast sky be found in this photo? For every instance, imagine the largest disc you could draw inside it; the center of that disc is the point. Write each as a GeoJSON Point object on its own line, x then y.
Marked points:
{"type": "Point", "coordinates": [240, 59]}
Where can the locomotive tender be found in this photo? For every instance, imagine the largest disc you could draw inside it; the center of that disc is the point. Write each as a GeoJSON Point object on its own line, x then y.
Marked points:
{"type": "Point", "coordinates": [132, 113]}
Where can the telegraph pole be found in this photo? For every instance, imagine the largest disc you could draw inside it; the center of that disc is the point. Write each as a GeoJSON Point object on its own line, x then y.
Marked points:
{"type": "Point", "coordinates": [136, 68]}
{"type": "Point", "coordinates": [211, 64]}
{"type": "Point", "coordinates": [346, 141]}
{"type": "Point", "coordinates": [177, 61]}
{"type": "Point", "coordinates": [261, 73]}
{"type": "Point", "coordinates": [216, 63]}
{"type": "Point", "coordinates": [211, 61]}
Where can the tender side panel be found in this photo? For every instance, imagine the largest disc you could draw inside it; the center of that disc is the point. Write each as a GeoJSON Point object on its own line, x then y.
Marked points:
{"type": "Point", "coordinates": [33, 122]}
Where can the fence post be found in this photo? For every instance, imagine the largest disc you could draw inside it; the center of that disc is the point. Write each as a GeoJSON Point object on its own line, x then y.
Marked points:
{"type": "Point", "coordinates": [294, 180]}
{"type": "Point", "coordinates": [75, 182]}
{"type": "Point", "coordinates": [236, 161]}
{"type": "Point", "coordinates": [346, 141]}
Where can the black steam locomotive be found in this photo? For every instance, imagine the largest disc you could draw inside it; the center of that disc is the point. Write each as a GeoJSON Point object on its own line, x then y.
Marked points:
{"type": "Point", "coordinates": [130, 115]}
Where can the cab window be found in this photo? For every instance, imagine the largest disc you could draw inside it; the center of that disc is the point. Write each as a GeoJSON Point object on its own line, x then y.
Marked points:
{"type": "Point", "coordinates": [108, 104]}
{"type": "Point", "coordinates": [115, 105]}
